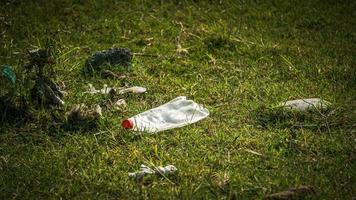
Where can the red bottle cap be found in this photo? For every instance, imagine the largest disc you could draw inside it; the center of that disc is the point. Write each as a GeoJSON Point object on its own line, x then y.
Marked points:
{"type": "Point", "coordinates": [127, 124]}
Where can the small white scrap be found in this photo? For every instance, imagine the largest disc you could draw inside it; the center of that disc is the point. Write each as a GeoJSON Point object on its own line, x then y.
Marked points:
{"type": "Point", "coordinates": [135, 89]}
{"type": "Point", "coordinates": [104, 90]}
{"type": "Point", "coordinates": [98, 110]}
{"type": "Point", "coordinates": [107, 90]}
{"type": "Point", "coordinates": [58, 100]}
{"type": "Point", "coordinates": [144, 170]}
{"type": "Point", "coordinates": [305, 104]}
{"type": "Point", "coordinates": [120, 103]}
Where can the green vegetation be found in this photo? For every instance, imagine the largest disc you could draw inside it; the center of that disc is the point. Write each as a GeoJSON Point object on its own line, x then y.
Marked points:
{"type": "Point", "coordinates": [237, 58]}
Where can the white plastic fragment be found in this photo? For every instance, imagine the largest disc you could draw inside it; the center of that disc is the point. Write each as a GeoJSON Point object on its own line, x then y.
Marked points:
{"type": "Point", "coordinates": [144, 170]}
{"type": "Point", "coordinates": [135, 89]}
{"type": "Point", "coordinates": [97, 110]}
{"type": "Point", "coordinates": [104, 90]}
{"type": "Point", "coordinates": [107, 90]}
{"type": "Point", "coordinates": [178, 112]}
{"type": "Point", "coordinates": [305, 104]}
{"type": "Point", "coordinates": [119, 103]}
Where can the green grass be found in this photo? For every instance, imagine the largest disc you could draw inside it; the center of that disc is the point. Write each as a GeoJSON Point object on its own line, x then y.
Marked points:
{"type": "Point", "coordinates": [243, 58]}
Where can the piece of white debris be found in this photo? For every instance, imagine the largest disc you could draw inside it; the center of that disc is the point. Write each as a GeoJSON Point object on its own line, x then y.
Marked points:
{"type": "Point", "coordinates": [119, 104]}
{"type": "Point", "coordinates": [305, 104]}
{"type": "Point", "coordinates": [104, 90]}
{"type": "Point", "coordinates": [57, 100]}
{"type": "Point", "coordinates": [97, 110]}
{"type": "Point", "coordinates": [107, 90]}
{"type": "Point", "coordinates": [135, 89]}
{"type": "Point", "coordinates": [144, 170]}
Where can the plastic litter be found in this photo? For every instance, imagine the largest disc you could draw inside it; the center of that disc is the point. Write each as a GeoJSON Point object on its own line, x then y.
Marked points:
{"type": "Point", "coordinates": [305, 104]}
{"type": "Point", "coordinates": [8, 72]}
{"type": "Point", "coordinates": [145, 170]}
{"type": "Point", "coordinates": [178, 112]}
{"type": "Point", "coordinates": [135, 89]}
{"type": "Point", "coordinates": [120, 103]}
{"type": "Point", "coordinates": [104, 90]}
{"type": "Point", "coordinates": [108, 90]}
{"type": "Point", "coordinates": [114, 56]}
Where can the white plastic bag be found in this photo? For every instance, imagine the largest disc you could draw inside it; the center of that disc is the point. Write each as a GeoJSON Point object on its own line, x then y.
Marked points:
{"type": "Point", "coordinates": [176, 113]}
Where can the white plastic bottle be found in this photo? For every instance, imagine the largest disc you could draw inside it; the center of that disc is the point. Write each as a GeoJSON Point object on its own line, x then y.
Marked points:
{"type": "Point", "coordinates": [176, 113]}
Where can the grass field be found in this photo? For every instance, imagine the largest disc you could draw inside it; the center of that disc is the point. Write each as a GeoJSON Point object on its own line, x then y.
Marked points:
{"type": "Point", "coordinates": [237, 58]}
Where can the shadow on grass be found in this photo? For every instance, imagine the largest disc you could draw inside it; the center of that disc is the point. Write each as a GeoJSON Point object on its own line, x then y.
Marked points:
{"type": "Point", "coordinates": [317, 120]}
{"type": "Point", "coordinates": [14, 112]}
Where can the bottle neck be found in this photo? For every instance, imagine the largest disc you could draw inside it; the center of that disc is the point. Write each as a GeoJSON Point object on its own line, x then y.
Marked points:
{"type": "Point", "coordinates": [128, 124]}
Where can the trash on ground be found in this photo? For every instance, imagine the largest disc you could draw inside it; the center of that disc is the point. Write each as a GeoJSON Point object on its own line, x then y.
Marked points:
{"type": "Point", "coordinates": [292, 193]}
{"type": "Point", "coordinates": [111, 90]}
{"type": "Point", "coordinates": [82, 113]}
{"type": "Point", "coordinates": [178, 112]}
{"type": "Point", "coordinates": [119, 104]}
{"type": "Point", "coordinates": [145, 170]}
{"type": "Point", "coordinates": [135, 89]}
{"type": "Point", "coordinates": [104, 90]}
{"type": "Point", "coordinates": [9, 73]}
{"type": "Point", "coordinates": [305, 104]}
{"type": "Point", "coordinates": [114, 56]}
{"type": "Point", "coordinates": [111, 74]}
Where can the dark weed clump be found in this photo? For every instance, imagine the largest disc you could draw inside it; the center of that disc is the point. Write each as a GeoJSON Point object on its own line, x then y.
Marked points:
{"type": "Point", "coordinates": [283, 118]}
{"type": "Point", "coordinates": [39, 58]}
{"type": "Point", "coordinates": [44, 92]}
{"type": "Point", "coordinates": [114, 56]}
{"type": "Point", "coordinates": [82, 118]}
